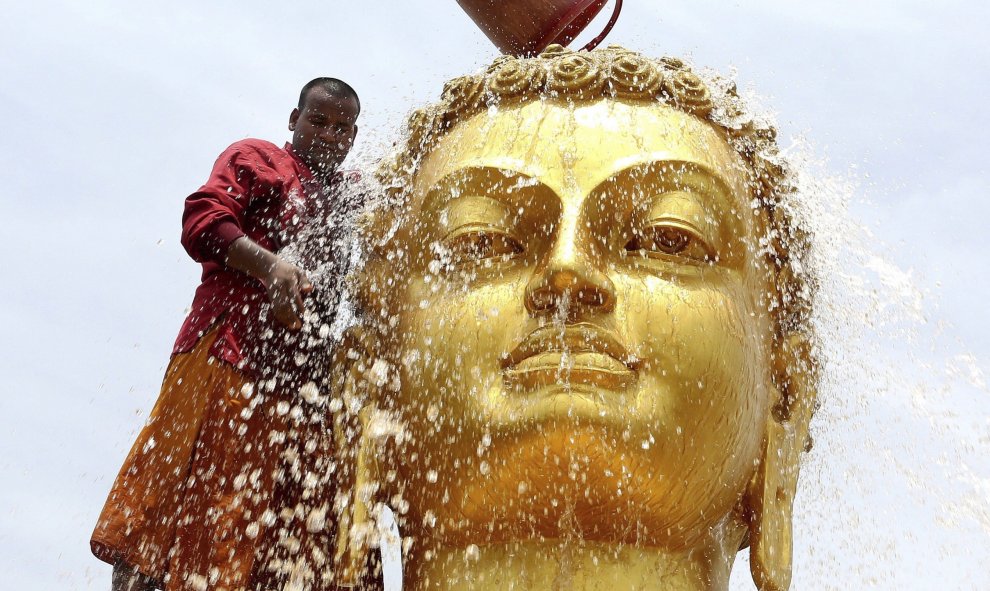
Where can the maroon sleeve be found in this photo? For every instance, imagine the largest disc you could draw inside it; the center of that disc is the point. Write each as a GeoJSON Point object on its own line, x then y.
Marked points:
{"type": "Point", "coordinates": [214, 215]}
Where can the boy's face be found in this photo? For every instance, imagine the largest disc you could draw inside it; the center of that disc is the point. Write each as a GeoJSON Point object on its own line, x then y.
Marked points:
{"type": "Point", "coordinates": [324, 130]}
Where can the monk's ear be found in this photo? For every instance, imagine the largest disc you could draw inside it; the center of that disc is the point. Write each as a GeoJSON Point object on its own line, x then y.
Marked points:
{"type": "Point", "coordinates": [293, 119]}
{"type": "Point", "coordinates": [771, 495]}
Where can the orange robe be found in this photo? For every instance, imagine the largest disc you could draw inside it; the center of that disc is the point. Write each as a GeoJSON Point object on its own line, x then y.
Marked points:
{"type": "Point", "coordinates": [212, 494]}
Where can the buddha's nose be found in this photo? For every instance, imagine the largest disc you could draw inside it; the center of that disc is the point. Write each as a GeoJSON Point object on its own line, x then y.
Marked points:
{"type": "Point", "coordinates": [571, 280]}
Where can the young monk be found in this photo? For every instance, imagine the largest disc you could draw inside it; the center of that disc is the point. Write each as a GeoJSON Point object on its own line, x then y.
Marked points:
{"type": "Point", "coordinates": [203, 499]}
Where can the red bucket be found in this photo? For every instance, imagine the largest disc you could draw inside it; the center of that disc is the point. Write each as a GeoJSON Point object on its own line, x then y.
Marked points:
{"type": "Point", "coordinates": [527, 27]}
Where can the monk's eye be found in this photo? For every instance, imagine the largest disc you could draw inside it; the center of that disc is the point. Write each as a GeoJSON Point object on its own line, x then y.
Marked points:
{"type": "Point", "coordinates": [670, 240]}
{"type": "Point", "coordinates": [481, 245]}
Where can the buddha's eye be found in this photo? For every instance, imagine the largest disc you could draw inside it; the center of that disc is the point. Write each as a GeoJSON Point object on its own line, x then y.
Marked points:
{"type": "Point", "coordinates": [670, 239]}
{"type": "Point", "coordinates": [481, 245]}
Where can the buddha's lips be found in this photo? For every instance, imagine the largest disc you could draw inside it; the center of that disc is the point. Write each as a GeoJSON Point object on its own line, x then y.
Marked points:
{"type": "Point", "coordinates": [572, 340]}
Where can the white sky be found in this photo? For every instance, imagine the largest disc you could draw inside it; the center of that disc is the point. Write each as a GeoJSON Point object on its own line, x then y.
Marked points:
{"type": "Point", "coordinates": [112, 112]}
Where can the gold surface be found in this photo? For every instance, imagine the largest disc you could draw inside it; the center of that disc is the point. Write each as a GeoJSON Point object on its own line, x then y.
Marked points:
{"type": "Point", "coordinates": [578, 374]}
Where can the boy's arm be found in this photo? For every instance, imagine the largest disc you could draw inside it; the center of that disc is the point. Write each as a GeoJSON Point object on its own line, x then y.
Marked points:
{"type": "Point", "coordinates": [212, 230]}
{"type": "Point", "coordinates": [285, 283]}
{"type": "Point", "coordinates": [213, 216]}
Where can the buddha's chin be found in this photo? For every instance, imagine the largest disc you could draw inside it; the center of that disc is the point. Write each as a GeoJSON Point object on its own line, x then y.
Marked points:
{"type": "Point", "coordinates": [555, 502]}
{"type": "Point", "coordinates": [557, 480]}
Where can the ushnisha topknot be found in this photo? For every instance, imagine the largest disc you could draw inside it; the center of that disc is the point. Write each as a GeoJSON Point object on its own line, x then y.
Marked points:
{"type": "Point", "coordinates": [613, 73]}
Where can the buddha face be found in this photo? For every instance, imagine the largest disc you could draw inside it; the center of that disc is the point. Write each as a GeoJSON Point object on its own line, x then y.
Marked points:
{"type": "Point", "coordinates": [584, 336]}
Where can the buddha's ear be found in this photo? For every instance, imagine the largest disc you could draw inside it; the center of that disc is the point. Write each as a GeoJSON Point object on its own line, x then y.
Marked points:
{"type": "Point", "coordinates": [771, 495]}
{"type": "Point", "coordinates": [357, 387]}
{"type": "Point", "coordinates": [355, 373]}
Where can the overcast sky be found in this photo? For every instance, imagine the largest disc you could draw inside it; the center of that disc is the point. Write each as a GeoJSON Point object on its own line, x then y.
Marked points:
{"type": "Point", "coordinates": [112, 112]}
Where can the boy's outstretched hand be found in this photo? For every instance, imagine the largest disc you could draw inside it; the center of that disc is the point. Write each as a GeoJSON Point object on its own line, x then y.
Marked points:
{"type": "Point", "coordinates": [285, 283]}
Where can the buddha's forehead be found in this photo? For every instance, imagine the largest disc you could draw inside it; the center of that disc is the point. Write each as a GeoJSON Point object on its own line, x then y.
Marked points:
{"type": "Point", "coordinates": [574, 148]}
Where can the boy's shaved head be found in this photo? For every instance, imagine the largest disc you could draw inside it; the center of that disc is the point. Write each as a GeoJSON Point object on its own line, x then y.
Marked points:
{"type": "Point", "coordinates": [332, 86]}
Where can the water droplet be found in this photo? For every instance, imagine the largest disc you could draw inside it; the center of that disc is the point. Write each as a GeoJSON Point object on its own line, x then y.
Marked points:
{"type": "Point", "coordinates": [309, 392]}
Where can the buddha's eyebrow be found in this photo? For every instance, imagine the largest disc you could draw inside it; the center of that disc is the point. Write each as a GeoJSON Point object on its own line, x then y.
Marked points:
{"type": "Point", "coordinates": [688, 175]}
{"type": "Point", "coordinates": [494, 182]}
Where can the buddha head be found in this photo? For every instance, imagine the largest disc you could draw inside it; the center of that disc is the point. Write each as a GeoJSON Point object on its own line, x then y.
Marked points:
{"type": "Point", "coordinates": [584, 310]}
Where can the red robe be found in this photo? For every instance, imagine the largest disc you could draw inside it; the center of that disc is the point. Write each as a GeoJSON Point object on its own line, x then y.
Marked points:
{"type": "Point", "coordinates": [212, 494]}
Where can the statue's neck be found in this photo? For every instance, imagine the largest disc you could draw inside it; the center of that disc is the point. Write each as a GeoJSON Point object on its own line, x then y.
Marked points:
{"type": "Point", "coordinates": [556, 565]}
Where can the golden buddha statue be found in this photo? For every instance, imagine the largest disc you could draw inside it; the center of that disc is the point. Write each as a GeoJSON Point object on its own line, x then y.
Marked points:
{"type": "Point", "coordinates": [586, 360]}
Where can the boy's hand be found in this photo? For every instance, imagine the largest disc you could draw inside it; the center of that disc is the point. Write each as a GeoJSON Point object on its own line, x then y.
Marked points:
{"type": "Point", "coordinates": [286, 285]}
